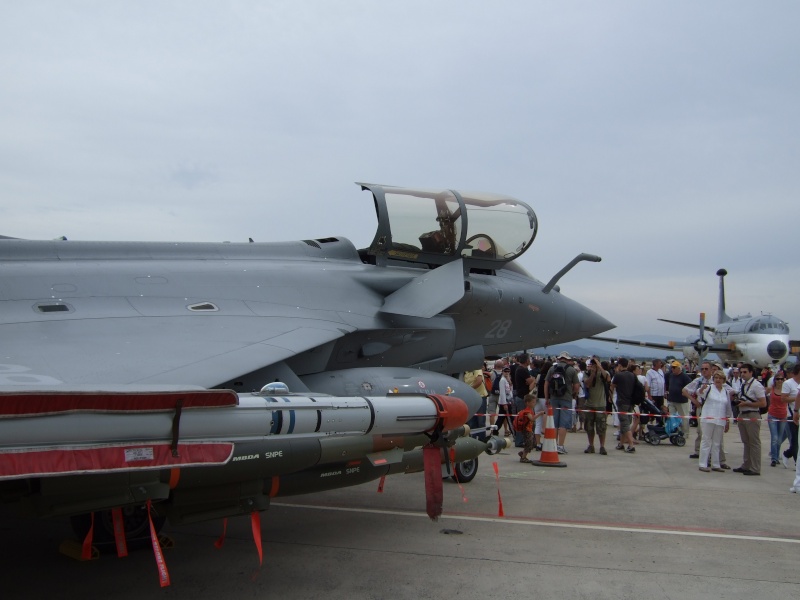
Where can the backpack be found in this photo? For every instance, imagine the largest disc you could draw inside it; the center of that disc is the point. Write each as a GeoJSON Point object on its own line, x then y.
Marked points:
{"type": "Point", "coordinates": [762, 410]}
{"type": "Point", "coordinates": [558, 380]}
{"type": "Point", "coordinates": [496, 384]}
{"type": "Point", "coordinates": [521, 420]}
{"type": "Point", "coordinates": [637, 395]}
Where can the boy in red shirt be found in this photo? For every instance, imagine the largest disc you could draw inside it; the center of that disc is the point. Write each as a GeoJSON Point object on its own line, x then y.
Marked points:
{"type": "Point", "coordinates": [527, 417]}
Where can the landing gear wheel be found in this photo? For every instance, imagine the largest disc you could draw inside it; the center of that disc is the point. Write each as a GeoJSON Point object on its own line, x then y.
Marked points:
{"type": "Point", "coordinates": [652, 438]}
{"type": "Point", "coordinates": [137, 527]}
{"type": "Point", "coordinates": [466, 471]}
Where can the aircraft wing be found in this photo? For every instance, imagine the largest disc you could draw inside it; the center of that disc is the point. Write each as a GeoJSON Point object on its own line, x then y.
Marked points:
{"type": "Point", "coordinates": [154, 350]}
{"type": "Point", "coordinates": [691, 325]}
{"type": "Point", "coordinates": [634, 343]}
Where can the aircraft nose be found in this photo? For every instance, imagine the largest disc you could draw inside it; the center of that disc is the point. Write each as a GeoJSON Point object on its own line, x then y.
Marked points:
{"type": "Point", "coordinates": [583, 322]}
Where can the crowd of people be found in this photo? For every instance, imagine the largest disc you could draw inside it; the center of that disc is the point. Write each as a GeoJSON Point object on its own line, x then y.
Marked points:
{"type": "Point", "coordinates": [584, 393]}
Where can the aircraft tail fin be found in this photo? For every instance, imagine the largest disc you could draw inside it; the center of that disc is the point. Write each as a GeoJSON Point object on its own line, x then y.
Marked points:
{"type": "Point", "coordinates": [723, 316]}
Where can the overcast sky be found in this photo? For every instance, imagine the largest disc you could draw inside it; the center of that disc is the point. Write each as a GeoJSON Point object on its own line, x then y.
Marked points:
{"type": "Point", "coordinates": [662, 136]}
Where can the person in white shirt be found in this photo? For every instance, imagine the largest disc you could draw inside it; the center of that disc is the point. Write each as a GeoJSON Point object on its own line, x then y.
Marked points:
{"type": "Point", "coordinates": [504, 401]}
{"type": "Point", "coordinates": [655, 383]}
{"type": "Point", "coordinates": [717, 413]}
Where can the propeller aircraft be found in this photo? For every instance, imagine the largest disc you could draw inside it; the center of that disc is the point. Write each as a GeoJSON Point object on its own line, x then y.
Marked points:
{"type": "Point", "coordinates": [760, 341]}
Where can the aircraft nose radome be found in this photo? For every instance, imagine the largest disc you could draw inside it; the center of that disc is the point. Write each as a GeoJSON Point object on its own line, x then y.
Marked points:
{"type": "Point", "coordinates": [584, 322]}
{"type": "Point", "coordinates": [776, 349]}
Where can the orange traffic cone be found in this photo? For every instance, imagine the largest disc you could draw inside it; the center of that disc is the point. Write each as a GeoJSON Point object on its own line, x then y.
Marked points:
{"type": "Point", "coordinates": [549, 457]}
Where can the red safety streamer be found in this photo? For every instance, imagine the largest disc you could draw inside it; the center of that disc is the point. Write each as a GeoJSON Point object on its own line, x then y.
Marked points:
{"type": "Point", "coordinates": [163, 574]}
{"type": "Point", "coordinates": [380, 484]}
{"type": "Point", "coordinates": [221, 539]}
{"type": "Point", "coordinates": [455, 474]}
{"type": "Point", "coordinates": [434, 494]}
{"type": "Point", "coordinates": [86, 550]}
{"type": "Point", "coordinates": [255, 522]}
{"type": "Point", "coordinates": [119, 532]}
{"type": "Point", "coordinates": [500, 512]}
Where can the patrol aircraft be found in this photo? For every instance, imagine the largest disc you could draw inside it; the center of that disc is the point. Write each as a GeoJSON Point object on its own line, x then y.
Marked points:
{"type": "Point", "coordinates": [760, 341]}
{"type": "Point", "coordinates": [199, 380]}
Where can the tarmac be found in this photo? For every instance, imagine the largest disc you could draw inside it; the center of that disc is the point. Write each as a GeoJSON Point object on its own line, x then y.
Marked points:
{"type": "Point", "coordinates": [644, 525]}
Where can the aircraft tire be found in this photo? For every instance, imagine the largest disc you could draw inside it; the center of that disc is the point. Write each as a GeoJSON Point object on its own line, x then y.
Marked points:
{"type": "Point", "coordinates": [466, 471]}
{"type": "Point", "coordinates": [137, 528]}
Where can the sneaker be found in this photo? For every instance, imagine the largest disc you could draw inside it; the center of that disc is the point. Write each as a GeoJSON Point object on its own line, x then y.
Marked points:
{"type": "Point", "coordinates": [774, 463]}
{"type": "Point", "coordinates": [620, 447]}
{"type": "Point", "coordinates": [724, 467]}
{"type": "Point", "coordinates": [792, 490]}
{"type": "Point", "coordinates": [538, 448]}
{"type": "Point", "coordinates": [603, 451]}
{"type": "Point", "coordinates": [785, 461]}
{"type": "Point", "coordinates": [561, 449]}
{"type": "Point", "coordinates": [589, 450]}
{"type": "Point", "coordinates": [694, 456]}
{"type": "Point", "coordinates": [630, 449]}
{"type": "Point", "coordinates": [705, 469]}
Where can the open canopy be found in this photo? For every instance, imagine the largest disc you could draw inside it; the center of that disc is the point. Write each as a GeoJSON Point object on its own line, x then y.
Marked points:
{"type": "Point", "coordinates": [438, 226]}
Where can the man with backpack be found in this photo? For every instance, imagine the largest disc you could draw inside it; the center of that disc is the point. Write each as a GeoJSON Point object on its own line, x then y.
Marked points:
{"type": "Point", "coordinates": [560, 387]}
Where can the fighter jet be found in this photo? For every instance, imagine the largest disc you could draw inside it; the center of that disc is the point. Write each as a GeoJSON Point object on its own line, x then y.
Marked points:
{"type": "Point", "coordinates": [199, 380]}
{"type": "Point", "coordinates": [760, 341]}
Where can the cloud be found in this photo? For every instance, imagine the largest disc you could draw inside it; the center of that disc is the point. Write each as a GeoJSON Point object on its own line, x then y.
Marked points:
{"type": "Point", "coordinates": [662, 136]}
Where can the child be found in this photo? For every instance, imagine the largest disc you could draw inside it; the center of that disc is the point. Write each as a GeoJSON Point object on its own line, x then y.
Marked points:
{"type": "Point", "coordinates": [527, 417]}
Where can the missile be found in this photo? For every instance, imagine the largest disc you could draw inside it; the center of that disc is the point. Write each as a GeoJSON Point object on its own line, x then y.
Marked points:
{"type": "Point", "coordinates": [59, 433]}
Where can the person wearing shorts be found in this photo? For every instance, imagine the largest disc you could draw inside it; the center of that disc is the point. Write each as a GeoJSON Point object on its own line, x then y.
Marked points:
{"type": "Point", "coordinates": [562, 403]}
{"type": "Point", "coordinates": [595, 418]}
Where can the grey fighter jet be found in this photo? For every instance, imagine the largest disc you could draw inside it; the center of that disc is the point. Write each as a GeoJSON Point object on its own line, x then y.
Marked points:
{"type": "Point", "coordinates": [136, 373]}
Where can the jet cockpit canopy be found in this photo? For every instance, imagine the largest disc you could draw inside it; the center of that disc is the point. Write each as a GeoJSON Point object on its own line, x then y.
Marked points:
{"type": "Point", "coordinates": [439, 226]}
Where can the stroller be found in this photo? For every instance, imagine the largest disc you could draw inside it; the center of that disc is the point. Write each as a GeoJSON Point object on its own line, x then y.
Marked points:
{"type": "Point", "coordinates": [662, 428]}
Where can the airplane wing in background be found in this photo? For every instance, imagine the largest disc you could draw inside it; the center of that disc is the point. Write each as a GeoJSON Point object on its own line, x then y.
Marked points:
{"type": "Point", "coordinates": [670, 346]}
{"type": "Point", "coordinates": [691, 325]}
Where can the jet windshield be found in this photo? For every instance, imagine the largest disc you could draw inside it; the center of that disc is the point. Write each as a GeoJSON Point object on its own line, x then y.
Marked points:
{"type": "Point", "coordinates": [440, 226]}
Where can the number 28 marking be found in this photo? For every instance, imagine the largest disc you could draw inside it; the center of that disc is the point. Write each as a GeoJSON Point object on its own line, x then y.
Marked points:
{"type": "Point", "coordinates": [499, 329]}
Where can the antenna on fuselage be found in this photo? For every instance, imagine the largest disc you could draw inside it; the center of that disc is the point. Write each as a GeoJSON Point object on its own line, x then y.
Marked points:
{"type": "Point", "coordinates": [723, 317]}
